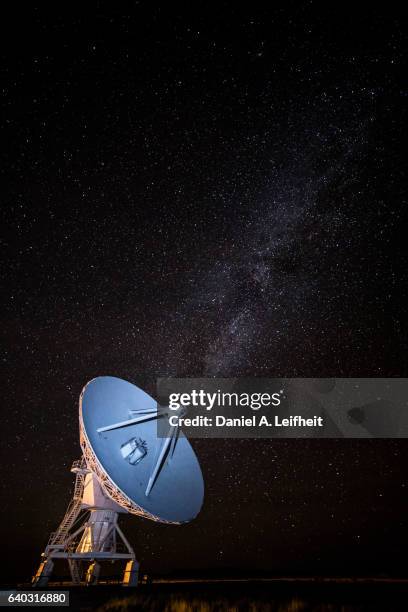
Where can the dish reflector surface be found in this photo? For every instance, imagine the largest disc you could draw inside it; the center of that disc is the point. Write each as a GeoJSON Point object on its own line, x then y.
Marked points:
{"type": "Point", "coordinates": [125, 457]}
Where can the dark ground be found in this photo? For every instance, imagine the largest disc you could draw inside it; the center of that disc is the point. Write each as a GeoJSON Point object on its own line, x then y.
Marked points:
{"type": "Point", "coordinates": [310, 596]}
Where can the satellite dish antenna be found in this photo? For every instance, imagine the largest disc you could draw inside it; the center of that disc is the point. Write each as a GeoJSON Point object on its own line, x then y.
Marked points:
{"type": "Point", "coordinates": [125, 468]}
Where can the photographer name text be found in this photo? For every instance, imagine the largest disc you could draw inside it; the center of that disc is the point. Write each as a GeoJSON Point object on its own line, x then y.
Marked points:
{"type": "Point", "coordinates": [245, 421]}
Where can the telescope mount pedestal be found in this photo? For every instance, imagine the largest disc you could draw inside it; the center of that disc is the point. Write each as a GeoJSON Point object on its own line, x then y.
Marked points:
{"type": "Point", "coordinates": [88, 534]}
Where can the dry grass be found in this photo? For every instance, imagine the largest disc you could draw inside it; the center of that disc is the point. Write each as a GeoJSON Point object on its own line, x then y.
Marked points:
{"type": "Point", "coordinates": [183, 602]}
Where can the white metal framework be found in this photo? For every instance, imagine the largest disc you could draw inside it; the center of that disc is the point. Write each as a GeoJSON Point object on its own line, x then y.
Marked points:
{"type": "Point", "coordinates": [88, 534]}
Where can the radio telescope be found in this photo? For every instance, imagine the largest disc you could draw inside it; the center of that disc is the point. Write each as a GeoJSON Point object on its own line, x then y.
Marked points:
{"type": "Point", "coordinates": [124, 468]}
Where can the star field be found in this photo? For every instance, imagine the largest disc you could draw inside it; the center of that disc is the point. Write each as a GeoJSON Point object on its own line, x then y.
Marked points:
{"type": "Point", "coordinates": [206, 193]}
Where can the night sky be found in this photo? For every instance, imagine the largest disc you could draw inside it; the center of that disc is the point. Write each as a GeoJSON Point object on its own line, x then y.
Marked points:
{"type": "Point", "coordinates": [210, 191]}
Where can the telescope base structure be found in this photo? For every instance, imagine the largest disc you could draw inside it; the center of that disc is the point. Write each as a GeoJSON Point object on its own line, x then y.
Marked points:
{"type": "Point", "coordinates": [88, 535]}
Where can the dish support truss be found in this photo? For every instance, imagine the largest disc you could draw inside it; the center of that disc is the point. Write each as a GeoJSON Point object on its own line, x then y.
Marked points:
{"type": "Point", "coordinates": [88, 534]}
